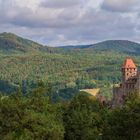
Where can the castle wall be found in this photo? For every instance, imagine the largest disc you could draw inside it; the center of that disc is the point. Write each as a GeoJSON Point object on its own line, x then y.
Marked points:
{"type": "Point", "coordinates": [138, 84]}
{"type": "Point", "coordinates": [117, 96]}
{"type": "Point", "coordinates": [130, 82]}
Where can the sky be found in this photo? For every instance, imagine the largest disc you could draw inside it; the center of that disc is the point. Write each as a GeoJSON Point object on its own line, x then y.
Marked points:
{"type": "Point", "coordinates": [71, 22]}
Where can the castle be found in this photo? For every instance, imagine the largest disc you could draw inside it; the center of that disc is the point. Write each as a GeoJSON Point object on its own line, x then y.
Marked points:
{"type": "Point", "coordinates": [130, 82]}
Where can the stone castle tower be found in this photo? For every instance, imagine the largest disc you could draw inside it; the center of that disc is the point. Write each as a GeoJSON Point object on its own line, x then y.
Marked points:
{"type": "Point", "coordinates": [130, 82]}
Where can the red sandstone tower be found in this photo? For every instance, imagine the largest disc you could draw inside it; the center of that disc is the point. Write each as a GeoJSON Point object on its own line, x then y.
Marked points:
{"type": "Point", "coordinates": [130, 82]}
{"type": "Point", "coordinates": [129, 74]}
{"type": "Point", "coordinates": [129, 70]}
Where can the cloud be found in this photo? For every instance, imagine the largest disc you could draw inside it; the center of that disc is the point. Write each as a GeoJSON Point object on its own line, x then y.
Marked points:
{"type": "Point", "coordinates": [61, 22]}
{"type": "Point", "coordinates": [121, 5]}
{"type": "Point", "coordinates": [60, 3]}
{"type": "Point", "coordinates": [22, 15]}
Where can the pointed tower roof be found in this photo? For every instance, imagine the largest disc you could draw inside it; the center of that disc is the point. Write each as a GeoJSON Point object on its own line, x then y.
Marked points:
{"type": "Point", "coordinates": [128, 63]}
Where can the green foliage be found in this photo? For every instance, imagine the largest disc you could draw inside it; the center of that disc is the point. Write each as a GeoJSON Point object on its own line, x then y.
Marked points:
{"type": "Point", "coordinates": [35, 117]}
{"type": "Point", "coordinates": [28, 118]}
{"type": "Point", "coordinates": [119, 46]}
{"type": "Point", "coordinates": [12, 44]}
{"type": "Point", "coordinates": [23, 62]}
{"type": "Point", "coordinates": [123, 123]}
{"type": "Point", "coordinates": [122, 46]}
{"type": "Point", "coordinates": [31, 114]}
{"type": "Point", "coordinates": [62, 71]}
{"type": "Point", "coordinates": [82, 119]}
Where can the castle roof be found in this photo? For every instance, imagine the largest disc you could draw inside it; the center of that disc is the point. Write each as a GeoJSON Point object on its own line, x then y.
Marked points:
{"type": "Point", "coordinates": [128, 63]}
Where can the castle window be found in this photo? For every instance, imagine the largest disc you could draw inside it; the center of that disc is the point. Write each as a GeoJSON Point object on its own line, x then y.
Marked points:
{"type": "Point", "coordinates": [134, 80]}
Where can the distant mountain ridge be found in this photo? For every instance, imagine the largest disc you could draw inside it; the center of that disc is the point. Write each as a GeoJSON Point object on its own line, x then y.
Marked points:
{"type": "Point", "coordinates": [117, 45]}
{"type": "Point", "coordinates": [24, 62]}
{"type": "Point", "coordinates": [124, 46]}
{"type": "Point", "coordinates": [11, 43]}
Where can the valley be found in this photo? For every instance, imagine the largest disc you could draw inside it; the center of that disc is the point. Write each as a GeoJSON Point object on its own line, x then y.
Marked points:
{"type": "Point", "coordinates": [64, 68]}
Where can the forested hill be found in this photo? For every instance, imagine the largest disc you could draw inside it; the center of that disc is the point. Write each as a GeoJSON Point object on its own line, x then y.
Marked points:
{"type": "Point", "coordinates": [67, 69]}
{"type": "Point", "coordinates": [124, 46]}
{"type": "Point", "coordinates": [11, 43]}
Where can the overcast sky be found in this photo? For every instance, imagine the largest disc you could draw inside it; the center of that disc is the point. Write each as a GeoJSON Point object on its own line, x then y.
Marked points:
{"type": "Point", "coordinates": [65, 22]}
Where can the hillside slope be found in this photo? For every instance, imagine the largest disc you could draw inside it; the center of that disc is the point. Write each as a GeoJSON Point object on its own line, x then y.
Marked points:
{"type": "Point", "coordinates": [11, 43]}
{"type": "Point", "coordinates": [69, 67]}
{"type": "Point", "coordinates": [117, 45]}
{"type": "Point", "coordinates": [123, 46]}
